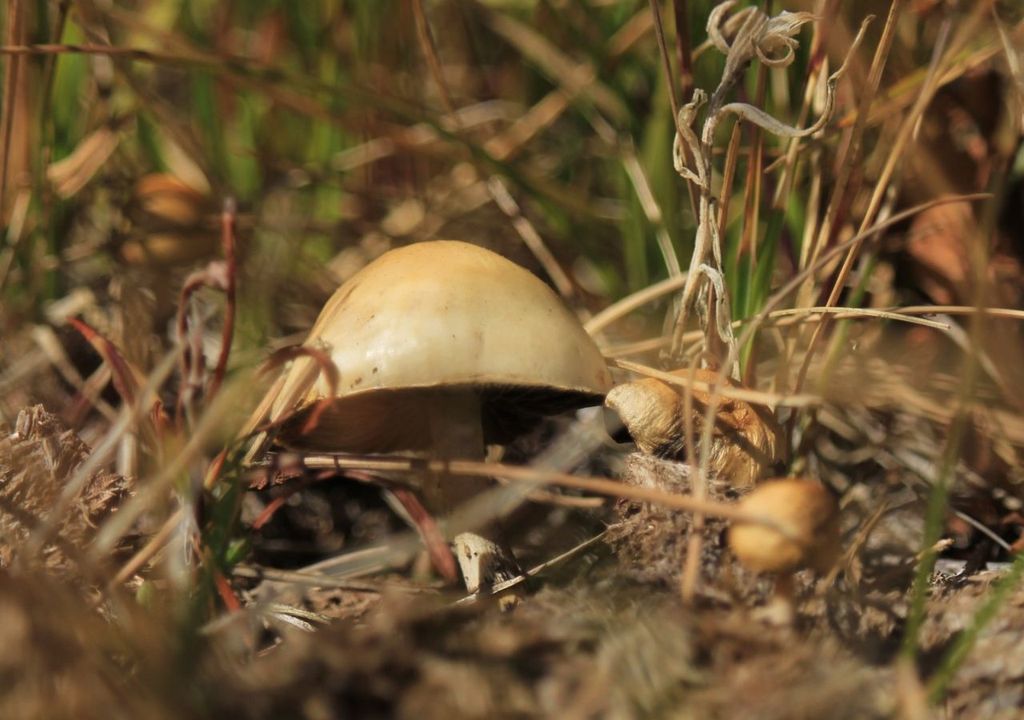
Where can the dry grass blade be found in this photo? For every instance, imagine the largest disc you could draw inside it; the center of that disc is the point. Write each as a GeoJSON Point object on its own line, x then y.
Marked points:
{"type": "Point", "coordinates": [126, 378]}
{"type": "Point", "coordinates": [89, 390]}
{"type": "Point", "coordinates": [816, 72]}
{"type": "Point", "coordinates": [752, 184]}
{"type": "Point", "coordinates": [433, 539]}
{"type": "Point", "coordinates": [147, 552]}
{"type": "Point", "coordinates": [845, 313]}
{"type": "Point", "coordinates": [690, 574]}
{"type": "Point", "coordinates": [666, 62]}
{"type": "Point", "coordinates": [499, 192]}
{"type": "Point", "coordinates": [650, 207]}
{"type": "Point", "coordinates": [905, 91]}
{"type": "Point", "coordinates": [228, 229]}
{"type": "Point", "coordinates": [782, 318]}
{"type": "Point", "coordinates": [14, 112]}
{"type": "Point", "coordinates": [681, 16]}
{"type": "Point", "coordinates": [531, 238]}
{"type": "Point", "coordinates": [15, 234]}
{"type": "Point", "coordinates": [721, 390]}
{"type": "Point", "coordinates": [324, 580]}
{"type": "Point", "coordinates": [129, 417]}
{"type": "Point", "coordinates": [578, 79]}
{"type": "Point", "coordinates": [628, 304]}
{"type": "Point", "coordinates": [906, 131]}
{"type": "Point", "coordinates": [1007, 313]}
{"type": "Point", "coordinates": [728, 175]}
{"type": "Point", "coordinates": [1014, 55]}
{"type": "Point", "coordinates": [538, 476]}
{"type": "Point", "coordinates": [139, 54]}
{"type": "Point", "coordinates": [802, 316]}
{"type": "Point", "coordinates": [851, 150]}
{"type": "Point", "coordinates": [286, 393]}
{"type": "Point", "coordinates": [552, 106]}
{"type": "Point", "coordinates": [154, 490]}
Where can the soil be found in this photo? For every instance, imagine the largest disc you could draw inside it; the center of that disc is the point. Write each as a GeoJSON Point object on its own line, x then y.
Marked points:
{"type": "Point", "coordinates": [602, 634]}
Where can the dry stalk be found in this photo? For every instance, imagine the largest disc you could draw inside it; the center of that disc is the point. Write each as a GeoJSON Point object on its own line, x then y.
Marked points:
{"type": "Point", "coordinates": [771, 41]}
{"type": "Point", "coordinates": [929, 88]}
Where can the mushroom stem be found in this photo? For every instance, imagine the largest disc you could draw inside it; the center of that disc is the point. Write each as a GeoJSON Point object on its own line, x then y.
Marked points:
{"type": "Point", "coordinates": [781, 608]}
{"type": "Point", "coordinates": [456, 433]}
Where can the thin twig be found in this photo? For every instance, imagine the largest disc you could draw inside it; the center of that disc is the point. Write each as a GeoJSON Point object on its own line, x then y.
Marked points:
{"type": "Point", "coordinates": [680, 14]}
{"type": "Point", "coordinates": [540, 476]}
{"type": "Point", "coordinates": [153, 545]}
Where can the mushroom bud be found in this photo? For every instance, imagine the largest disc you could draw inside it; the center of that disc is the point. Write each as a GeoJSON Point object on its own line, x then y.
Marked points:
{"type": "Point", "coordinates": [441, 348]}
{"type": "Point", "coordinates": [806, 534]}
{"type": "Point", "coordinates": [745, 442]}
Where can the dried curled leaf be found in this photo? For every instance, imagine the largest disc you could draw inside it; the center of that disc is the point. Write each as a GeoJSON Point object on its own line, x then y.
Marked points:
{"type": "Point", "coordinates": [755, 34]}
{"type": "Point", "coordinates": [746, 441]}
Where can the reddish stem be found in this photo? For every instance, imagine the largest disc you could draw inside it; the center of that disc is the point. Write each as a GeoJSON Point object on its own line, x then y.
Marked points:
{"type": "Point", "coordinates": [226, 592]}
{"type": "Point", "coordinates": [437, 547]}
{"type": "Point", "coordinates": [124, 380]}
{"type": "Point", "coordinates": [228, 217]}
{"type": "Point", "coordinates": [328, 370]}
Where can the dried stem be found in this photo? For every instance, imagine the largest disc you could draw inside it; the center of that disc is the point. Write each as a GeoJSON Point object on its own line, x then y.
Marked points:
{"type": "Point", "coordinates": [760, 37]}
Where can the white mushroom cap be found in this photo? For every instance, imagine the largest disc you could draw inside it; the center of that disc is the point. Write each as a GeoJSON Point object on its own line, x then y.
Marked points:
{"type": "Point", "coordinates": [438, 318]}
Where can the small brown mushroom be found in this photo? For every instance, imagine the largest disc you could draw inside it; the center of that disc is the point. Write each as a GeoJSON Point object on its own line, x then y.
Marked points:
{"type": "Point", "coordinates": [806, 536]}
{"type": "Point", "coordinates": [746, 442]}
{"type": "Point", "coordinates": [170, 223]}
{"type": "Point", "coordinates": [441, 348]}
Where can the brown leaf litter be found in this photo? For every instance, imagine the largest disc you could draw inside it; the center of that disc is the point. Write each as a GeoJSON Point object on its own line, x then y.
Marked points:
{"type": "Point", "coordinates": [37, 460]}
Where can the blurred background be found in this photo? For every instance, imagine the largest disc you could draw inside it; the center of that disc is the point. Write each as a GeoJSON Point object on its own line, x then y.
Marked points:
{"type": "Point", "coordinates": [549, 141]}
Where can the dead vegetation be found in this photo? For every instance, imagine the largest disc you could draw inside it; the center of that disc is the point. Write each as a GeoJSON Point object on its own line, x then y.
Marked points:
{"type": "Point", "coordinates": [185, 186]}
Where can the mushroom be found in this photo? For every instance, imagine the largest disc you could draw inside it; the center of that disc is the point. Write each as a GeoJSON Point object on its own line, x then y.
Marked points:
{"type": "Point", "coordinates": [746, 441]}
{"type": "Point", "coordinates": [441, 348]}
{"type": "Point", "coordinates": [806, 535]}
{"type": "Point", "coordinates": [169, 223]}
